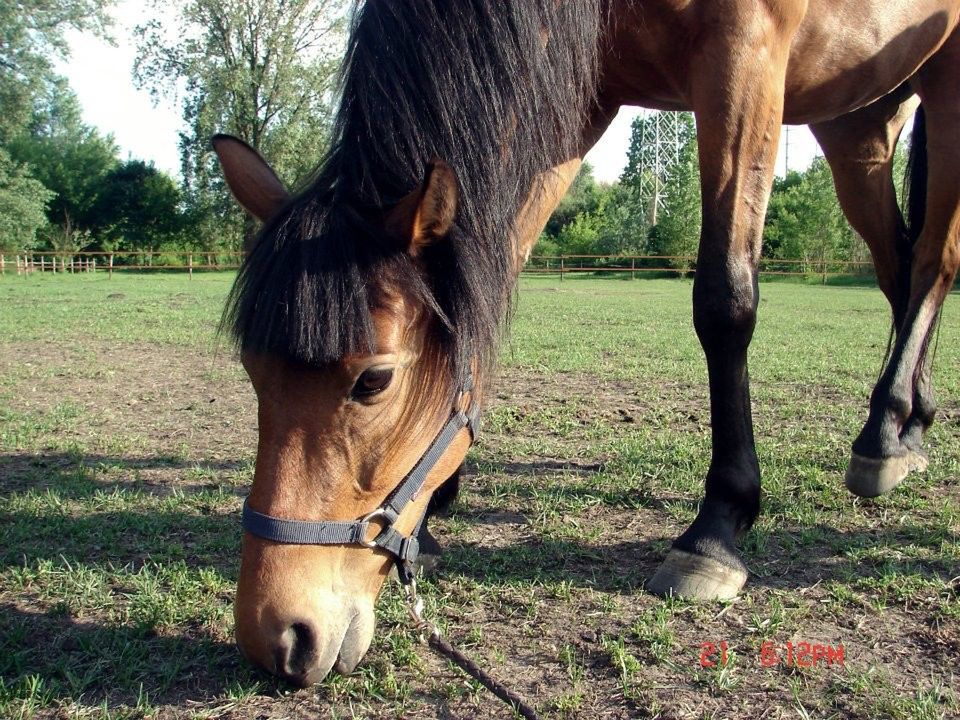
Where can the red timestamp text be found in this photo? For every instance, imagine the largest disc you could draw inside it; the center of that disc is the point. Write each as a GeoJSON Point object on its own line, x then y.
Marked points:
{"type": "Point", "coordinates": [788, 654]}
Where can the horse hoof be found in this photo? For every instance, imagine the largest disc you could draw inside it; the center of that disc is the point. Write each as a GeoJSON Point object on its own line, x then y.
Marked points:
{"type": "Point", "coordinates": [872, 477]}
{"type": "Point", "coordinates": [696, 577]}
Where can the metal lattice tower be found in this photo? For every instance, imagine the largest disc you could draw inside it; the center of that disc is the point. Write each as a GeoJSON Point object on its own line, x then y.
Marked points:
{"type": "Point", "coordinates": [662, 136]}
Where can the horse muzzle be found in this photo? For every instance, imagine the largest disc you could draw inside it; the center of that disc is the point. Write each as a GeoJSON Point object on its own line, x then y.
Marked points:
{"type": "Point", "coordinates": [302, 649]}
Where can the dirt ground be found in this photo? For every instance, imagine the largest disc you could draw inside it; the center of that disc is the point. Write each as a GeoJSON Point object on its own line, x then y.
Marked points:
{"type": "Point", "coordinates": [560, 523]}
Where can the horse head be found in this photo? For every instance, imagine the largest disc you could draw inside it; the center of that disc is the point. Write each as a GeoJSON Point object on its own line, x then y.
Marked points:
{"type": "Point", "coordinates": [339, 430]}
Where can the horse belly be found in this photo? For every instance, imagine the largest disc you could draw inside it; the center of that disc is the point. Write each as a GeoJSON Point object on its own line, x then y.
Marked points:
{"type": "Point", "coordinates": [848, 53]}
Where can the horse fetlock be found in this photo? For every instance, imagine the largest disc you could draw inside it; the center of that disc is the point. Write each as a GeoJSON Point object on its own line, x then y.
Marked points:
{"type": "Point", "coordinates": [912, 436]}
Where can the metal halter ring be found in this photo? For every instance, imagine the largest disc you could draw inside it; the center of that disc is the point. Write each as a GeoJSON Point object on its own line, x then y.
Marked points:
{"type": "Point", "coordinates": [379, 513]}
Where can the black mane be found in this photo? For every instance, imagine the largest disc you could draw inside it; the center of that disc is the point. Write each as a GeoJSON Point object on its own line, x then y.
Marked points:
{"type": "Point", "coordinates": [500, 90]}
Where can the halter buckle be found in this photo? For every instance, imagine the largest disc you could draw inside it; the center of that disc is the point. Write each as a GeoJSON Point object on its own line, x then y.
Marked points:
{"type": "Point", "coordinates": [378, 514]}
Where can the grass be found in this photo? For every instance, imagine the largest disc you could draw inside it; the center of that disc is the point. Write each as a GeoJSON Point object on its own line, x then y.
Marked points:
{"type": "Point", "coordinates": [127, 435]}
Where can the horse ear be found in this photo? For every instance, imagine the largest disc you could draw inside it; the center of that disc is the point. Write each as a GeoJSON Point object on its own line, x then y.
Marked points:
{"type": "Point", "coordinates": [426, 214]}
{"type": "Point", "coordinates": [252, 181]}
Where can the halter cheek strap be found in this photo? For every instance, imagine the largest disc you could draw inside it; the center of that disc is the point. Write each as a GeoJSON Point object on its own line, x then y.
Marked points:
{"type": "Point", "coordinates": [404, 548]}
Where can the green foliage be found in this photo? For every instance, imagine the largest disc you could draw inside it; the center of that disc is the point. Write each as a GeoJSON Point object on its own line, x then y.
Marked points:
{"type": "Point", "coordinates": [33, 36]}
{"type": "Point", "coordinates": [580, 237]}
{"type": "Point", "coordinates": [594, 219]}
{"type": "Point", "coordinates": [71, 159]}
{"type": "Point", "coordinates": [138, 207]}
{"type": "Point", "coordinates": [616, 219]}
{"type": "Point", "coordinates": [804, 221]}
{"type": "Point", "coordinates": [261, 70]}
{"type": "Point", "coordinates": [23, 201]}
{"type": "Point", "coordinates": [623, 227]}
{"type": "Point", "coordinates": [582, 197]}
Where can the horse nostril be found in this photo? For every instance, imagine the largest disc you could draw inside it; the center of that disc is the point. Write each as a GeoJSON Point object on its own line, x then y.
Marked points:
{"type": "Point", "coordinates": [296, 653]}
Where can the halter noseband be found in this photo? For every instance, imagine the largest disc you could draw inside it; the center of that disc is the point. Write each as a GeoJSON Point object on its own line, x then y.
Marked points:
{"type": "Point", "coordinates": [344, 532]}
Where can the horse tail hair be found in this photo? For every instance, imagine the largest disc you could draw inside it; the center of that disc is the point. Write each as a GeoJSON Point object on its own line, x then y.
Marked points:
{"type": "Point", "coordinates": [915, 180]}
{"type": "Point", "coordinates": [915, 201]}
{"type": "Point", "coordinates": [914, 207]}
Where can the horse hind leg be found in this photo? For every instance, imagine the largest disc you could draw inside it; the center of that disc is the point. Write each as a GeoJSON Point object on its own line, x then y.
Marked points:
{"type": "Point", "coordinates": [901, 406]}
{"type": "Point", "coordinates": [860, 149]}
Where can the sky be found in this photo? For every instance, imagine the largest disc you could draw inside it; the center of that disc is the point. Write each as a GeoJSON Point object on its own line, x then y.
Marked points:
{"type": "Point", "coordinates": [100, 74]}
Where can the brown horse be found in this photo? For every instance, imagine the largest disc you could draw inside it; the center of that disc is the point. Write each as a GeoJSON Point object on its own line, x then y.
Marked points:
{"type": "Point", "coordinates": [368, 312]}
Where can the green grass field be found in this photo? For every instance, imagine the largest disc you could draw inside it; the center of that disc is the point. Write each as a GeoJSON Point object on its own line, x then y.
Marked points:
{"type": "Point", "coordinates": [127, 439]}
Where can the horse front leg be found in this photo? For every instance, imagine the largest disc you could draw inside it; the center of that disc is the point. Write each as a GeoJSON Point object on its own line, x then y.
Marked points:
{"type": "Point", "coordinates": [738, 103]}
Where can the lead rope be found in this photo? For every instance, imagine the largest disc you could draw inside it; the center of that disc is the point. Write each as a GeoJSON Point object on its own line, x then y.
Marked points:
{"type": "Point", "coordinates": [437, 642]}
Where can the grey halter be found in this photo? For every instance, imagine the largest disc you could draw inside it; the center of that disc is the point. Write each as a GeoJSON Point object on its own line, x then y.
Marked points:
{"type": "Point", "coordinates": [339, 532]}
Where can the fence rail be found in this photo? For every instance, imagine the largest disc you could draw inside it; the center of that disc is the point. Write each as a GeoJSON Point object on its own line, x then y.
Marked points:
{"type": "Point", "coordinates": [684, 264]}
{"type": "Point", "coordinates": [110, 262]}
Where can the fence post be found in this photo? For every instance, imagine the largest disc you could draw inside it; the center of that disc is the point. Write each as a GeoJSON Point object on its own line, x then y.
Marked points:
{"type": "Point", "coordinates": [561, 268]}
{"type": "Point", "coordinates": [190, 264]}
{"type": "Point", "coordinates": [111, 267]}
{"type": "Point", "coordinates": [3, 265]}
{"type": "Point", "coordinates": [633, 268]}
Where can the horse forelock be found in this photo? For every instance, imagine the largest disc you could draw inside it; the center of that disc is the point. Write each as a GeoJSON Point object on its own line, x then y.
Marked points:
{"type": "Point", "coordinates": [473, 84]}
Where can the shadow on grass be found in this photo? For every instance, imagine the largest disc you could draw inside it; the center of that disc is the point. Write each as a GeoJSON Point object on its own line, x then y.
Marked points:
{"type": "Point", "coordinates": [75, 476]}
{"type": "Point", "coordinates": [794, 555]}
{"type": "Point", "coordinates": [127, 539]}
{"type": "Point", "coordinates": [118, 664]}
{"type": "Point", "coordinates": [624, 567]}
{"type": "Point", "coordinates": [120, 523]}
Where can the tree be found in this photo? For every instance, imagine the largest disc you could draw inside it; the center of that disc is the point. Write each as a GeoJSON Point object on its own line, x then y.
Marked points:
{"type": "Point", "coordinates": [32, 37]}
{"type": "Point", "coordinates": [262, 70]}
{"type": "Point", "coordinates": [806, 221]}
{"type": "Point", "coordinates": [71, 159]}
{"type": "Point", "coordinates": [138, 207]}
{"type": "Point", "coordinates": [623, 227]}
{"type": "Point", "coordinates": [580, 236]}
{"type": "Point", "coordinates": [582, 197]}
{"type": "Point", "coordinates": [23, 203]}
{"type": "Point", "coordinates": [663, 176]}
{"type": "Point", "coordinates": [776, 212]}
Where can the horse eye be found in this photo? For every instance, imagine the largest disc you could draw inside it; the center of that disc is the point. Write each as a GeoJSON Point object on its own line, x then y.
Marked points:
{"type": "Point", "coordinates": [372, 381]}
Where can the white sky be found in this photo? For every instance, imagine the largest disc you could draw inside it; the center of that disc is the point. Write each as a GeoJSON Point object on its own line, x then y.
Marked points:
{"type": "Point", "coordinates": [101, 76]}
{"type": "Point", "coordinates": [609, 156]}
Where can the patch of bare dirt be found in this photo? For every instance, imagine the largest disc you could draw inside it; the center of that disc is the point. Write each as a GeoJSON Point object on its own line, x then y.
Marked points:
{"type": "Point", "coordinates": [546, 594]}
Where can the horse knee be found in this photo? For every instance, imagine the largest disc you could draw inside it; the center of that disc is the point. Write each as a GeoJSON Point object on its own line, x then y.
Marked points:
{"type": "Point", "coordinates": [725, 307]}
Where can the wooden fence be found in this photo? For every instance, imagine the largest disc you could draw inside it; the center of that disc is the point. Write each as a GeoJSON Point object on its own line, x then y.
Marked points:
{"type": "Point", "coordinates": [109, 262]}
{"type": "Point", "coordinates": [686, 264]}
{"type": "Point", "coordinates": [561, 265]}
